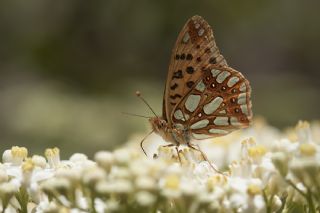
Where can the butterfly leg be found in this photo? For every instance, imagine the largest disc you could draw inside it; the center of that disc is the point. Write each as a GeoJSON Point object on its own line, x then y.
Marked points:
{"type": "Point", "coordinates": [141, 143]}
{"type": "Point", "coordinates": [203, 156]}
{"type": "Point", "coordinates": [178, 154]}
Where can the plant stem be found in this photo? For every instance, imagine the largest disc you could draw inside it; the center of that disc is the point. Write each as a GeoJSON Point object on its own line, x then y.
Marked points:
{"type": "Point", "coordinates": [296, 188]}
{"type": "Point", "coordinates": [93, 207]}
{"type": "Point", "coordinates": [266, 200]}
{"type": "Point", "coordinates": [310, 202]}
{"type": "Point", "coordinates": [23, 198]}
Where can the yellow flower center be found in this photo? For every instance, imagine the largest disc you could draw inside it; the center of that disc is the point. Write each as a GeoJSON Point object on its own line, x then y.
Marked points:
{"type": "Point", "coordinates": [253, 189]}
{"type": "Point", "coordinates": [28, 165]}
{"type": "Point", "coordinates": [49, 153]}
{"type": "Point", "coordinates": [20, 152]}
{"type": "Point", "coordinates": [172, 182]}
{"type": "Point", "coordinates": [216, 180]}
{"type": "Point", "coordinates": [307, 149]}
{"type": "Point", "coordinates": [257, 151]}
{"type": "Point", "coordinates": [303, 125]}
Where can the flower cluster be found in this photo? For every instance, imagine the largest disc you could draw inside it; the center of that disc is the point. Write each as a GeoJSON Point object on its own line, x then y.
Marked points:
{"type": "Point", "coordinates": [256, 170]}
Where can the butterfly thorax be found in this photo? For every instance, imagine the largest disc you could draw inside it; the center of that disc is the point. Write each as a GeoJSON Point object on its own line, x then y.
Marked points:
{"type": "Point", "coordinates": [171, 134]}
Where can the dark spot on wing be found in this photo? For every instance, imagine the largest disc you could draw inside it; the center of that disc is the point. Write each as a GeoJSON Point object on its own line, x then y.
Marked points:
{"type": "Point", "coordinates": [175, 96]}
{"type": "Point", "coordinates": [190, 70]}
{"type": "Point", "coordinates": [177, 74]}
{"type": "Point", "coordinates": [190, 84]}
{"type": "Point", "coordinates": [173, 87]}
{"type": "Point", "coordinates": [189, 57]}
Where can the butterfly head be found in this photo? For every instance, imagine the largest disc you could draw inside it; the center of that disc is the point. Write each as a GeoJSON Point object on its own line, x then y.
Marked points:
{"type": "Point", "coordinates": [159, 125]}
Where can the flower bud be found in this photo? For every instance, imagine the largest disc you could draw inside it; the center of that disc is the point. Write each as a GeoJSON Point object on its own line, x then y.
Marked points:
{"type": "Point", "coordinates": [53, 157]}
{"type": "Point", "coordinates": [105, 159]}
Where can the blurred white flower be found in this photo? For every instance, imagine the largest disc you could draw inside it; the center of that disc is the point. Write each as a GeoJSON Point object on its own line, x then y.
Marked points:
{"type": "Point", "coordinates": [105, 159]}
{"type": "Point", "coordinates": [145, 198]}
{"type": "Point", "coordinates": [256, 170]}
{"type": "Point", "coordinates": [39, 161]}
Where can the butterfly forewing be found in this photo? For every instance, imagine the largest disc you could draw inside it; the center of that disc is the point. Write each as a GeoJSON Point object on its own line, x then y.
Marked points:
{"type": "Point", "coordinates": [195, 48]}
{"type": "Point", "coordinates": [217, 104]}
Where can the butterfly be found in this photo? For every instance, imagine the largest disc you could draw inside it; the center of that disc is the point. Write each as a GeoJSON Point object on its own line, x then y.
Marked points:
{"type": "Point", "coordinates": [203, 96]}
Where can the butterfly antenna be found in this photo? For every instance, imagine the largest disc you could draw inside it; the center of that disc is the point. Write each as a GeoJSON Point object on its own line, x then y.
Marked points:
{"type": "Point", "coordinates": [141, 143]}
{"type": "Point", "coordinates": [138, 94]}
{"type": "Point", "coordinates": [132, 114]}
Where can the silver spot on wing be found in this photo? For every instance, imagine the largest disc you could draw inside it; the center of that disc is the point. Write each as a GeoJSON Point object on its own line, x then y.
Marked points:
{"type": "Point", "coordinates": [212, 106]}
{"type": "Point", "coordinates": [192, 102]}
{"type": "Point", "coordinates": [222, 76]}
{"type": "Point", "coordinates": [200, 124]}
{"type": "Point", "coordinates": [221, 121]}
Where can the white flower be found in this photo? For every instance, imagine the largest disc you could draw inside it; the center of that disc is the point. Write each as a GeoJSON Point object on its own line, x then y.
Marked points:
{"type": "Point", "coordinates": [112, 205]}
{"type": "Point", "coordinates": [7, 156]}
{"type": "Point", "coordinates": [276, 203]}
{"type": "Point", "coordinates": [15, 155]}
{"type": "Point", "coordinates": [119, 172]}
{"type": "Point", "coordinates": [237, 200]}
{"type": "Point", "coordinates": [52, 186]}
{"type": "Point", "coordinates": [263, 165]}
{"type": "Point", "coordinates": [145, 183]}
{"type": "Point", "coordinates": [265, 169]}
{"type": "Point", "coordinates": [303, 132]}
{"type": "Point", "coordinates": [145, 198]}
{"type": "Point", "coordinates": [170, 186]}
{"type": "Point", "coordinates": [3, 176]}
{"type": "Point", "coordinates": [241, 169]}
{"type": "Point", "coordinates": [39, 161]}
{"type": "Point", "coordinates": [92, 176]}
{"type": "Point", "coordinates": [190, 187]}
{"type": "Point", "coordinates": [105, 159]}
{"type": "Point", "coordinates": [78, 158]}
{"type": "Point", "coordinates": [122, 156]}
{"type": "Point", "coordinates": [116, 186]}
{"type": "Point", "coordinates": [53, 157]}
{"type": "Point", "coordinates": [27, 171]}
{"type": "Point", "coordinates": [72, 174]}
{"type": "Point", "coordinates": [203, 171]}
{"type": "Point", "coordinates": [285, 145]}
{"type": "Point", "coordinates": [7, 189]}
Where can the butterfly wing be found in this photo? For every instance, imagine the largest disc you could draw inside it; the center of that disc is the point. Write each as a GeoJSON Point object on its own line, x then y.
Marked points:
{"type": "Point", "coordinates": [218, 103]}
{"type": "Point", "coordinates": [195, 48]}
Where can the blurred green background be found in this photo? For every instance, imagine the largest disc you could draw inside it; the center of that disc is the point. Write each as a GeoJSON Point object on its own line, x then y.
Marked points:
{"type": "Point", "coordinates": [69, 68]}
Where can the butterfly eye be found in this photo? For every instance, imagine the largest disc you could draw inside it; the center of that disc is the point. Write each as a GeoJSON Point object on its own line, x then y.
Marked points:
{"type": "Point", "coordinates": [161, 124]}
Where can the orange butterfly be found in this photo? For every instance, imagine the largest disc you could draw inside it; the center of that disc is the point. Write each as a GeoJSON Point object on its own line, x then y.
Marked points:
{"type": "Point", "coordinates": [203, 96]}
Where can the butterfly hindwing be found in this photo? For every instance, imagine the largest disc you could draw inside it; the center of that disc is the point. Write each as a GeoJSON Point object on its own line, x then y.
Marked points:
{"type": "Point", "coordinates": [195, 48]}
{"type": "Point", "coordinates": [218, 103]}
